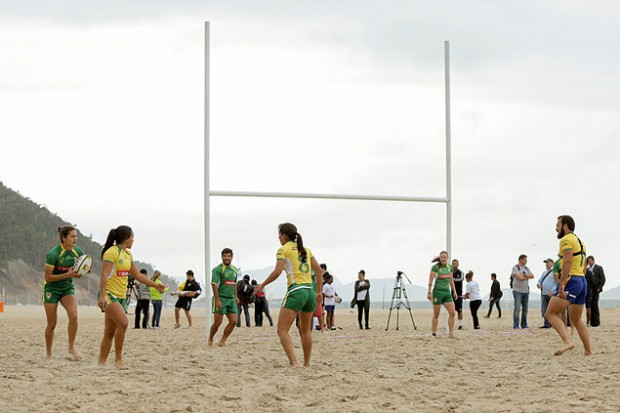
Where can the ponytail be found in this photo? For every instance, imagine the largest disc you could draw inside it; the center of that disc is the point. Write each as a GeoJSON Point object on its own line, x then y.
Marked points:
{"type": "Point", "coordinates": [116, 236]}
{"type": "Point", "coordinates": [291, 233]}
{"type": "Point", "coordinates": [64, 231]}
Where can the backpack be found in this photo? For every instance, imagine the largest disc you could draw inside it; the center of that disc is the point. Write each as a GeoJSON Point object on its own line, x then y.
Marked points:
{"type": "Point", "coordinates": [245, 292]}
{"type": "Point", "coordinates": [512, 277]}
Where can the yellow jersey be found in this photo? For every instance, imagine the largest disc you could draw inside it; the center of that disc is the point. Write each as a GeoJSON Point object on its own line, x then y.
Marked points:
{"type": "Point", "coordinates": [297, 272]}
{"type": "Point", "coordinates": [570, 242]}
{"type": "Point", "coordinates": [121, 260]}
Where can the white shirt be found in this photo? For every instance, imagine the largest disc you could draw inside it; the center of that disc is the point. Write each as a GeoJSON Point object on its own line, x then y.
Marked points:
{"type": "Point", "coordinates": [361, 295]}
{"type": "Point", "coordinates": [328, 290]}
{"type": "Point", "coordinates": [473, 289]}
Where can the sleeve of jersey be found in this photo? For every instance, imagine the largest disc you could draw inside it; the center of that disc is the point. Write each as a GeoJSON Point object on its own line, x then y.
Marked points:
{"type": "Point", "coordinates": [565, 245]}
{"type": "Point", "coordinates": [215, 276]}
{"type": "Point", "coordinates": [280, 254]}
{"type": "Point", "coordinates": [52, 258]}
{"type": "Point", "coordinates": [110, 255]}
{"type": "Point", "coordinates": [434, 268]}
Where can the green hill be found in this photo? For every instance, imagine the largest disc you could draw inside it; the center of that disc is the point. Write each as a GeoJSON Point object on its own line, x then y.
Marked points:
{"type": "Point", "coordinates": [28, 231]}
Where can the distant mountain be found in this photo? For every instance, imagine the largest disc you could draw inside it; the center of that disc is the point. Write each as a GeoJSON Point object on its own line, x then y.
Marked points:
{"type": "Point", "coordinates": [612, 294]}
{"type": "Point", "coordinates": [29, 231]}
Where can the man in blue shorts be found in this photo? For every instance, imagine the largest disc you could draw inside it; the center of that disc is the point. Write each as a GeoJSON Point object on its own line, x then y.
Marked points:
{"type": "Point", "coordinates": [572, 288]}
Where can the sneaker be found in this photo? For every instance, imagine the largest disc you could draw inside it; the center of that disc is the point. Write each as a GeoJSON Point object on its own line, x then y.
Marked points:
{"type": "Point", "coordinates": [460, 327]}
{"type": "Point", "coordinates": [177, 325]}
{"type": "Point", "coordinates": [367, 328]}
{"type": "Point", "coordinates": [525, 326]}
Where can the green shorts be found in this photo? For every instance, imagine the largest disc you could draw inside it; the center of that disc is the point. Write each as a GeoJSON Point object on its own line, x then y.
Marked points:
{"type": "Point", "coordinates": [52, 295]}
{"type": "Point", "coordinates": [442, 297]}
{"type": "Point", "coordinates": [229, 306]}
{"type": "Point", "coordinates": [300, 297]}
{"type": "Point", "coordinates": [111, 298]}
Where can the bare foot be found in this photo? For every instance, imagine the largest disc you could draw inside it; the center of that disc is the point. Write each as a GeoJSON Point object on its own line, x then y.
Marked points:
{"type": "Point", "coordinates": [567, 347]}
{"type": "Point", "coordinates": [221, 344]}
{"type": "Point", "coordinates": [120, 365]}
{"type": "Point", "coordinates": [75, 354]}
{"type": "Point", "coordinates": [210, 343]}
{"type": "Point", "coordinates": [587, 353]}
{"type": "Point", "coordinates": [49, 356]}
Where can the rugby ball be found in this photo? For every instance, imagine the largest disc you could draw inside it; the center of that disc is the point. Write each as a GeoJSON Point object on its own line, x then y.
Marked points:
{"type": "Point", "coordinates": [338, 300]}
{"type": "Point", "coordinates": [82, 264]}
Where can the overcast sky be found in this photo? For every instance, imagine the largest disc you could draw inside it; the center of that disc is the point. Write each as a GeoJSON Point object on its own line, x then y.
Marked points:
{"type": "Point", "coordinates": [102, 122]}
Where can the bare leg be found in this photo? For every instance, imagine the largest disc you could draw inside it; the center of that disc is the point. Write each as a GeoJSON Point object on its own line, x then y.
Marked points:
{"type": "Point", "coordinates": [575, 320]}
{"type": "Point", "coordinates": [189, 317]}
{"type": "Point", "coordinates": [232, 323]}
{"type": "Point", "coordinates": [306, 336]}
{"type": "Point", "coordinates": [177, 317]}
{"type": "Point", "coordinates": [115, 329]}
{"type": "Point", "coordinates": [436, 310]}
{"type": "Point", "coordinates": [69, 302]}
{"type": "Point", "coordinates": [285, 320]}
{"type": "Point", "coordinates": [217, 321]}
{"type": "Point", "coordinates": [556, 307]}
{"type": "Point", "coordinates": [52, 318]}
{"type": "Point", "coordinates": [450, 308]}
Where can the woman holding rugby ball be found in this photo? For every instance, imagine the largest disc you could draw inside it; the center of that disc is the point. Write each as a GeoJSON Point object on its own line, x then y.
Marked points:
{"type": "Point", "coordinates": [302, 295]}
{"type": "Point", "coordinates": [58, 287]}
{"type": "Point", "coordinates": [443, 291]}
{"type": "Point", "coordinates": [117, 266]}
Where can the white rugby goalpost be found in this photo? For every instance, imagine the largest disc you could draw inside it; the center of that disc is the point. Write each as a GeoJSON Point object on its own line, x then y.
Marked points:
{"type": "Point", "coordinates": [208, 193]}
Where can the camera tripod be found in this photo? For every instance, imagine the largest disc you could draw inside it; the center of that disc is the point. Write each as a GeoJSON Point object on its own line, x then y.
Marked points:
{"type": "Point", "coordinates": [130, 291]}
{"type": "Point", "coordinates": [398, 295]}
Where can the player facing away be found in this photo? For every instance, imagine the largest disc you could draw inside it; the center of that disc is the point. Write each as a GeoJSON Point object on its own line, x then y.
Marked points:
{"type": "Point", "coordinates": [225, 300]}
{"type": "Point", "coordinates": [302, 295]}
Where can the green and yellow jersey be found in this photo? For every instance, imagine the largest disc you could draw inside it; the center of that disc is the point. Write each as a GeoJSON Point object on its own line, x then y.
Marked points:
{"type": "Point", "coordinates": [444, 274]}
{"type": "Point", "coordinates": [61, 260]}
{"type": "Point", "coordinates": [297, 272]}
{"type": "Point", "coordinates": [225, 277]}
{"type": "Point", "coordinates": [121, 260]}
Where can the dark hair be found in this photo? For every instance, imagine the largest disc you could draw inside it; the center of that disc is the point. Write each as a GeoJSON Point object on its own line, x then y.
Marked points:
{"type": "Point", "coordinates": [116, 236]}
{"type": "Point", "coordinates": [290, 231]}
{"type": "Point", "coordinates": [227, 251]}
{"type": "Point", "coordinates": [143, 271]}
{"type": "Point", "coordinates": [457, 261]}
{"type": "Point", "coordinates": [64, 231]}
{"type": "Point", "coordinates": [493, 275]}
{"type": "Point", "coordinates": [190, 272]}
{"type": "Point", "coordinates": [254, 282]}
{"type": "Point", "coordinates": [470, 274]}
{"type": "Point", "coordinates": [522, 256]}
{"type": "Point", "coordinates": [155, 275]}
{"type": "Point", "coordinates": [329, 277]}
{"type": "Point", "coordinates": [590, 257]}
{"type": "Point", "coordinates": [324, 266]}
{"type": "Point", "coordinates": [362, 272]}
{"type": "Point", "coordinates": [568, 220]}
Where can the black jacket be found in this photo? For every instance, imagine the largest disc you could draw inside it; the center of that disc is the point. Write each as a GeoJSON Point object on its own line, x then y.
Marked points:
{"type": "Point", "coordinates": [496, 290]}
{"type": "Point", "coordinates": [598, 277]}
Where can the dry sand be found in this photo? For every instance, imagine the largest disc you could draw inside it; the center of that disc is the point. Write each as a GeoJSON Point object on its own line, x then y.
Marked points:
{"type": "Point", "coordinates": [491, 370]}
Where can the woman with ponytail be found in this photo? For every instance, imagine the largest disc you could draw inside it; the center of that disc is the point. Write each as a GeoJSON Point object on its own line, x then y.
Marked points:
{"type": "Point", "coordinates": [117, 266]}
{"type": "Point", "coordinates": [443, 292]}
{"type": "Point", "coordinates": [58, 287]}
{"type": "Point", "coordinates": [302, 295]}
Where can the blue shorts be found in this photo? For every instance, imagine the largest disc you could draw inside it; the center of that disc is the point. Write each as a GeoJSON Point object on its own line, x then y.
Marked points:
{"type": "Point", "coordinates": [576, 290]}
{"type": "Point", "coordinates": [330, 308]}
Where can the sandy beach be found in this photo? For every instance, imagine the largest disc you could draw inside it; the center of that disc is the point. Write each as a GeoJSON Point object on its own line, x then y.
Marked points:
{"type": "Point", "coordinates": [495, 369]}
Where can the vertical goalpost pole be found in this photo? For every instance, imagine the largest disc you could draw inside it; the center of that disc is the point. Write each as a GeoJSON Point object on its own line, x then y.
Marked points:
{"type": "Point", "coordinates": [448, 151]}
{"type": "Point", "coordinates": [207, 194]}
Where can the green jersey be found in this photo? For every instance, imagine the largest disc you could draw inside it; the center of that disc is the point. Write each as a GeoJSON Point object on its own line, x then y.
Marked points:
{"type": "Point", "coordinates": [61, 260]}
{"type": "Point", "coordinates": [225, 277]}
{"type": "Point", "coordinates": [444, 274]}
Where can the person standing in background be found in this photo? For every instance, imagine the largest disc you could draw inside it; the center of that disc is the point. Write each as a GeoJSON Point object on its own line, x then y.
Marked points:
{"type": "Point", "coordinates": [520, 276]}
{"type": "Point", "coordinates": [361, 298]}
{"type": "Point", "coordinates": [494, 297]}
{"type": "Point", "coordinates": [143, 304]}
{"type": "Point", "coordinates": [598, 281]}
{"type": "Point", "coordinates": [188, 290]}
{"type": "Point", "coordinates": [472, 293]}
{"type": "Point", "coordinates": [548, 287]}
{"type": "Point", "coordinates": [458, 277]}
{"type": "Point", "coordinates": [156, 299]}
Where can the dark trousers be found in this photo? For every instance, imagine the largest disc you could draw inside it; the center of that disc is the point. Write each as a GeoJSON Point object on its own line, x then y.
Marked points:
{"type": "Point", "coordinates": [266, 311]}
{"type": "Point", "coordinates": [156, 313]}
{"type": "Point", "coordinates": [142, 306]}
{"type": "Point", "coordinates": [259, 309]}
{"type": "Point", "coordinates": [544, 304]}
{"type": "Point", "coordinates": [362, 309]}
{"type": "Point", "coordinates": [473, 307]}
{"type": "Point", "coordinates": [495, 302]}
{"type": "Point", "coordinates": [246, 311]}
{"type": "Point", "coordinates": [595, 315]}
